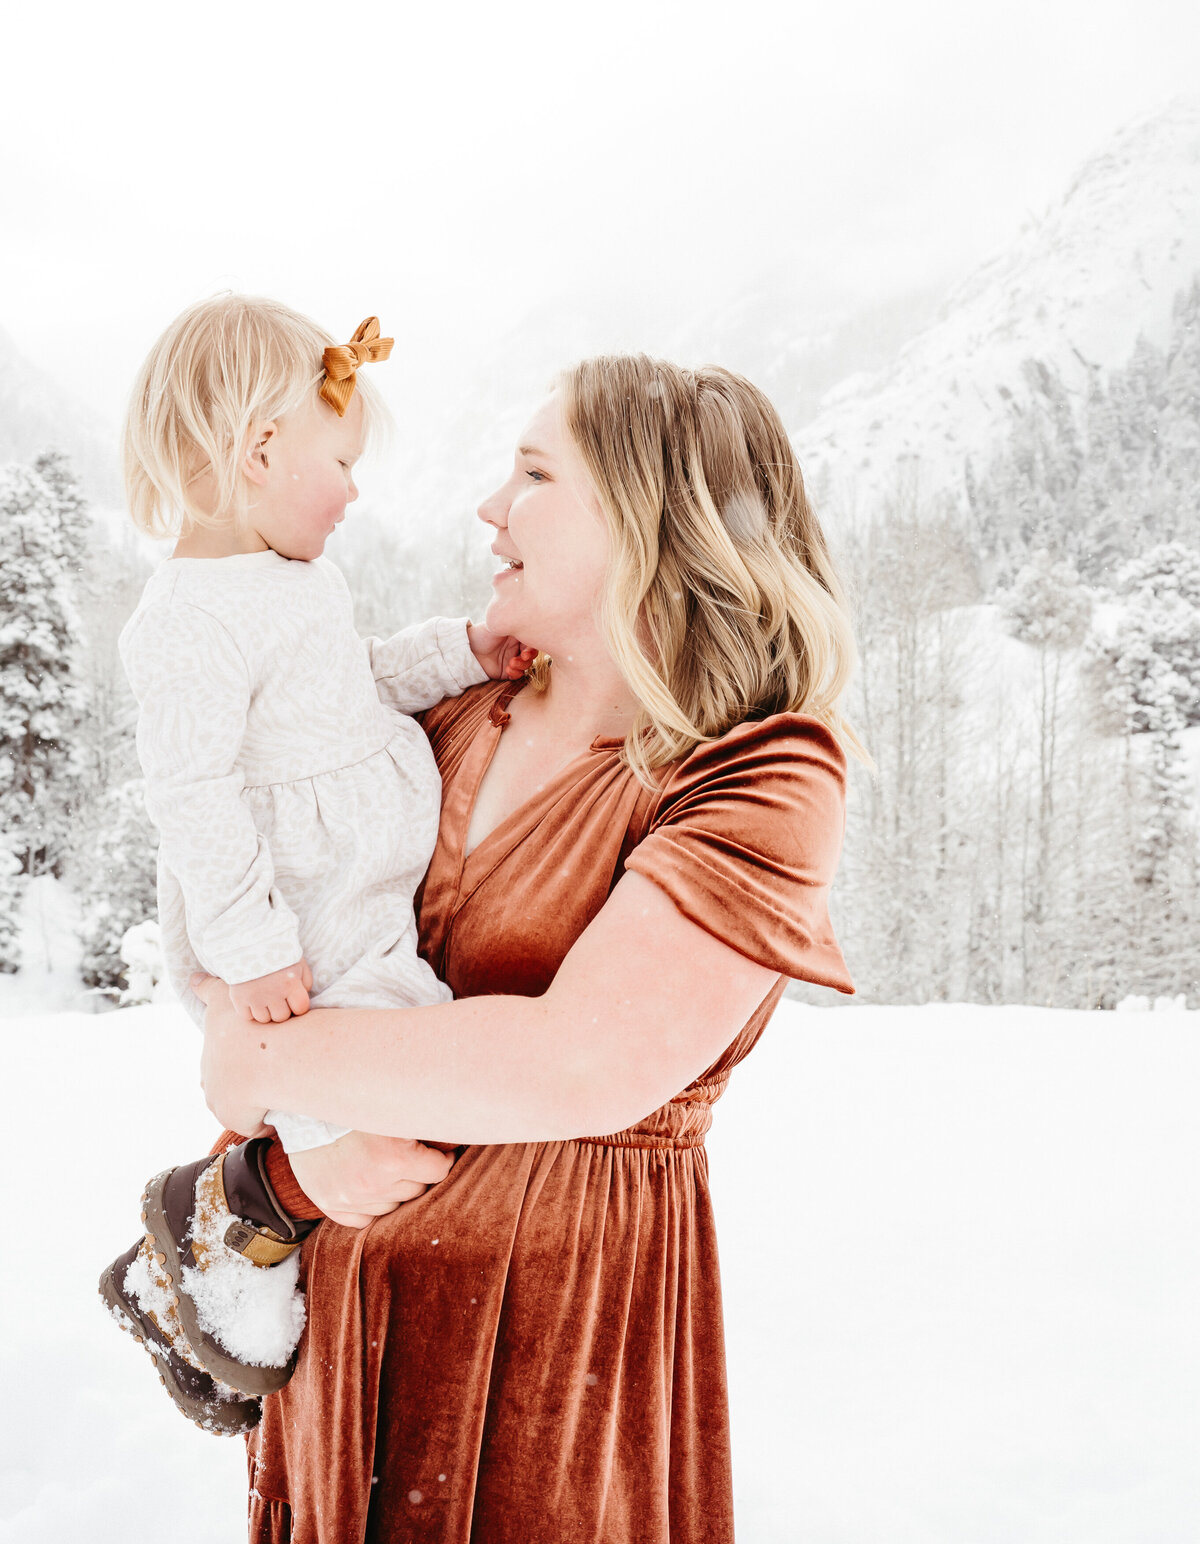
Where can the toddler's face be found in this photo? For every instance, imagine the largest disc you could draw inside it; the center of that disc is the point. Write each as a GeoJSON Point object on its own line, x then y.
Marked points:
{"type": "Point", "coordinates": [310, 478]}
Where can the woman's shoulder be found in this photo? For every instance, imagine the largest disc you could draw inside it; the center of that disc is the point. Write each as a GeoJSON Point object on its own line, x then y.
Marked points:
{"type": "Point", "coordinates": [777, 755]}
{"type": "Point", "coordinates": [770, 793]}
{"type": "Point", "coordinates": [745, 835]}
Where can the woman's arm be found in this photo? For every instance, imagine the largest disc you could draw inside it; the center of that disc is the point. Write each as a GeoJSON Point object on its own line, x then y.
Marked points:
{"type": "Point", "coordinates": [642, 1004]}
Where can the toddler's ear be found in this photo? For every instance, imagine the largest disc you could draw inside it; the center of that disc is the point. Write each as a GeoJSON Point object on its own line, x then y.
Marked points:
{"type": "Point", "coordinates": [257, 460]}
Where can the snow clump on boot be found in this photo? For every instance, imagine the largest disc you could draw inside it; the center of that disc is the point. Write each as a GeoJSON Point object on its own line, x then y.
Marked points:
{"type": "Point", "coordinates": [255, 1312]}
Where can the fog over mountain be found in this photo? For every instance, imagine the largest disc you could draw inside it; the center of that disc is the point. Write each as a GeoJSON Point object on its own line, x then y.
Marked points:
{"type": "Point", "coordinates": [927, 380]}
{"type": "Point", "coordinates": [35, 413]}
{"type": "Point", "coordinates": [1075, 291]}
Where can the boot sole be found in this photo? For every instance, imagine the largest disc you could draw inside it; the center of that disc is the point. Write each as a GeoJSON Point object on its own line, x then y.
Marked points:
{"type": "Point", "coordinates": [257, 1382]}
{"type": "Point", "coordinates": [226, 1420]}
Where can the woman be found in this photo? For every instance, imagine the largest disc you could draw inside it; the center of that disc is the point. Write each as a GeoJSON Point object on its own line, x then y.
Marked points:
{"type": "Point", "coordinates": [635, 853]}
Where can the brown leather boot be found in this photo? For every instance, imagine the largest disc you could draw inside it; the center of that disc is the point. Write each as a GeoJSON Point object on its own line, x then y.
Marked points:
{"type": "Point", "coordinates": [223, 1250]}
{"type": "Point", "coordinates": [153, 1320]}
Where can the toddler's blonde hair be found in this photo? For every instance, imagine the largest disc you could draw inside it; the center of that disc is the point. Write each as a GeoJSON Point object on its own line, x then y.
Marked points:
{"type": "Point", "coordinates": [221, 367]}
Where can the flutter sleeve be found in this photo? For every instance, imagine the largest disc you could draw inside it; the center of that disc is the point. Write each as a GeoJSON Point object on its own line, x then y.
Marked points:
{"type": "Point", "coordinates": [193, 691]}
{"type": "Point", "coordinates": [418, 667]}
{"type": "Point", "coordinates": [745, 839]}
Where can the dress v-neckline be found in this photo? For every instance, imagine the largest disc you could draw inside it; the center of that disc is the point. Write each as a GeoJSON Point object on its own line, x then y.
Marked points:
{"type": "Point", "coordinates": [516, 825]}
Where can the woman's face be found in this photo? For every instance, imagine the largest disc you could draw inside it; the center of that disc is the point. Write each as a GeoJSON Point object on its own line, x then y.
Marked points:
{"type": "Point", "coordinates": [551, 537]}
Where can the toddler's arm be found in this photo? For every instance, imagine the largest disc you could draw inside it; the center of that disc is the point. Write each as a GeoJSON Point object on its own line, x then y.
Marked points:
{"type": "Point", "coordinates": [418, 667]}
{"type": "Point", "coordinates": [193, 689]}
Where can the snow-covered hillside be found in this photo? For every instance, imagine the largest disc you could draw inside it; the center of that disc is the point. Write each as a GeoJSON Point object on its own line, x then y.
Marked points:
{"type": "Point", "coordinates": [960, 1252]}
{"type": "Point", "coordinates": [1075, 290]}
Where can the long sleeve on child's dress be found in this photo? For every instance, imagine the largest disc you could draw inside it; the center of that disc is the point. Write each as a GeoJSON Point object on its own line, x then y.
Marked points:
{"type": "Point", "coordinates": [193, 689]}
{"type": "Point", "coordinates": [416, 668]}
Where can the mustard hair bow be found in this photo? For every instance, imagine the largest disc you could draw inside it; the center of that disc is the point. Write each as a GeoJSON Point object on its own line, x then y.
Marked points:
{"type": "Point", "coordinates": [341, 361]}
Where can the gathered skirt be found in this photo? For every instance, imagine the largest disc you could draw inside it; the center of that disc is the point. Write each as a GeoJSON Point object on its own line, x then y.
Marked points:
{"type": "Point", "coordinates": [530, 1351]}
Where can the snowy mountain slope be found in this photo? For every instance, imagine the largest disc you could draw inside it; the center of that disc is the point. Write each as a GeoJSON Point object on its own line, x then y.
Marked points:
{"type": "Point", "coordinates": [1076, 290]}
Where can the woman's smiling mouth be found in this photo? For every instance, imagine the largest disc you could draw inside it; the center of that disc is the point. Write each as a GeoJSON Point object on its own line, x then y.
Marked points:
{"type": "Point", "coordinates": [510, 565]}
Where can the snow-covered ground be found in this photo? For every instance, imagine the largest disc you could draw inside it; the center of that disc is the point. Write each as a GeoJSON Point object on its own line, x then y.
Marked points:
{"type": "Point", "coordinates": [962, 1255]}
{"type": "Point", "coordinates": [960, 1247]}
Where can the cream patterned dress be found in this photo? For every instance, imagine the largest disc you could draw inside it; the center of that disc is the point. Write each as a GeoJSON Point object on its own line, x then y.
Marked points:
{"type": "Point", "coordinates": [296, 801]}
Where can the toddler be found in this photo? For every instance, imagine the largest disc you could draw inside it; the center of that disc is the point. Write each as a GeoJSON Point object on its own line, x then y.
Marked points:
{"type": "Point", "coordinates": [296, 800]}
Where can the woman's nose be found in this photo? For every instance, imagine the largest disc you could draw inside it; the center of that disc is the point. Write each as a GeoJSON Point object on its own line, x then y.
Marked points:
{"type": "Point", "coordinates": [494, 510]}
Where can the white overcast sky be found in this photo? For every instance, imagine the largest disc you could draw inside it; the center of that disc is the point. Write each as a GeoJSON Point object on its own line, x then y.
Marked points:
{"type": "Point", "coordinates": [456, 167]}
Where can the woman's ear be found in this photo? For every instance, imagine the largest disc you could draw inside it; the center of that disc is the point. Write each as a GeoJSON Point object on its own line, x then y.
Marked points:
{"type": "Point", "coordinates": [256, 462]}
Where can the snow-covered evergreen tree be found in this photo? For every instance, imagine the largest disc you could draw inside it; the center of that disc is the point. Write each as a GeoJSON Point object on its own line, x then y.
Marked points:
{"type": "Point", "coordinates": [41, 701]}
{"type": "Point", "coordinates": [1100, 477]}
{"type": "Point", "coordinates": [12, 885]}
{"type": "Point", "coordinates": [1167, 826]}
{"type": "Point", "coordinates": [1152, 643]}
{"type": "Point", "coordinates": [1048, 604]}
{"type": "Point", "coordinates": [74, 522]}
{"type": "Point", "coordinates": [1168, 570]}
{"type": "Point", "coordinates": [115, 880]}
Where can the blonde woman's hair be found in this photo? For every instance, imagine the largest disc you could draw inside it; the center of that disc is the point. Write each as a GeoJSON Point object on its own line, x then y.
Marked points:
{"type": "Point", "coordinates": [223, 366]}
{"type": "Point", "coordinates": [721, 602]}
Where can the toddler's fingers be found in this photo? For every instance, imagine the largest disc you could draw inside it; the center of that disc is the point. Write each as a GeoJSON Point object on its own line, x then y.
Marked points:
{"type": "Point", "coordinates": [306, 975]}
{"type": "Point", "coordinates": [260, 1015]}
{"type": "Point", "coordinates": [297, 999]}
{"type": "Point", "coordinates": [279, 1011]}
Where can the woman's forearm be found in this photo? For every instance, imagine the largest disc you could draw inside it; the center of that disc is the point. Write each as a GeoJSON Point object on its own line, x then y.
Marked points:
{"type": "Point", "coordinates": [485, 1069]}
{"type": "Point", "coordinates": [642, 1004]}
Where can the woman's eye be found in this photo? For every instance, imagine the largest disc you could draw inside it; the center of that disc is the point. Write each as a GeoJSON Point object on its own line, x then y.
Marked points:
{"type": "Point", "coordinates": [537, 476]}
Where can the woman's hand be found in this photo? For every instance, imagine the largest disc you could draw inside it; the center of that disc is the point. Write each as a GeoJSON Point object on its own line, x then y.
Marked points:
{"type": "Point", "coordinates": [361, 1176]}
{"type": "Point", "coordinates": [504, 659]}
{"type": "Point", "coordinates": [358, 1177]}
{"type": "Point", "coordinates": [224, 1063]}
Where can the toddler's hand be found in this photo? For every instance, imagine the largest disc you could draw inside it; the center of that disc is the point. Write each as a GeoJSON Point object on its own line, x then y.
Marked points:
{"type": "Point", "coordinates": [504, 659]}
{"type": "Point", "coordinates": [271, 999]}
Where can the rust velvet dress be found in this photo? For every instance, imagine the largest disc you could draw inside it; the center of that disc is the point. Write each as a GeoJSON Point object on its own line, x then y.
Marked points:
{"type": "Point", "coordinates": [532, 1352]}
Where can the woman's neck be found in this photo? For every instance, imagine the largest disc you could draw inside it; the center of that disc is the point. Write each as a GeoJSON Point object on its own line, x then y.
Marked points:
{"type": "Point", "coordinates": [583, 702]}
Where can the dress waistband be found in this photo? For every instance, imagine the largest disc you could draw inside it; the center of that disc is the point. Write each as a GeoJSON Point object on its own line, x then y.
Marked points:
{"type": "Point", "coordinates": [635, 1138]}
{"type": "Point", "coordinates": [682, 1122]}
